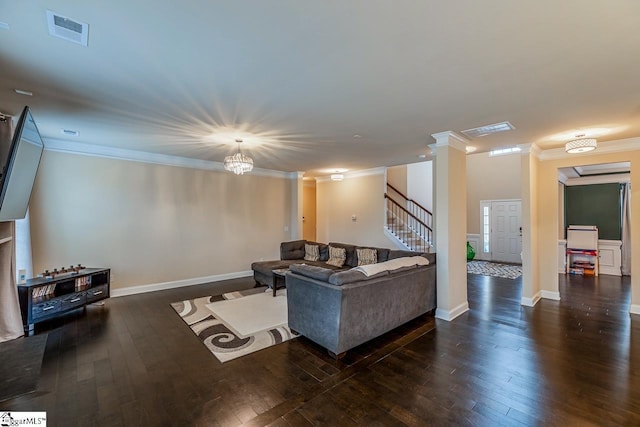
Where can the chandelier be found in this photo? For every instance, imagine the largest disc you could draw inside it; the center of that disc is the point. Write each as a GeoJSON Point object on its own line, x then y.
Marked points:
{"type": "Point", "coordinates": [238, 163]}
{"type": "Point", "coordinates": [581, 145]}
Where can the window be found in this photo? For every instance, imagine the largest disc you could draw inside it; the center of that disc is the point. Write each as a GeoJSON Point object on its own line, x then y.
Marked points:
{"type": "Point", "coordinates": [486, 227]}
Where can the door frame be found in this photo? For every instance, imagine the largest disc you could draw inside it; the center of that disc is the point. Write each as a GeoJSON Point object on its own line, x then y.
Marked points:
{"type": "Point", "coordinates": [484, 250]}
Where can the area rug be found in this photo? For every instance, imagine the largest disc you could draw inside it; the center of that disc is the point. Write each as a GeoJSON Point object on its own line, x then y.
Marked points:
{"type": "Point", "coordinates": [486, 268]}
{"type": "Point", "coordinates": [238, 325]}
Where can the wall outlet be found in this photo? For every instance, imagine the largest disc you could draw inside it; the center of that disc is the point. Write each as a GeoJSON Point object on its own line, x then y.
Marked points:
{"type": "Point", "coordinates": [286, 228]}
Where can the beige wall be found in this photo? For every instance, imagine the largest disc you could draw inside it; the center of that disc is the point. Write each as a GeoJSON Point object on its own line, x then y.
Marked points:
{"type": "Point", "coordinates": [397, 176]}
{"type": "Point", "coordinates": [420, 183]}
{"type": "Point", "coordinates": [309, 210]}
{"type": "Point", "coordinates": [547, 196]}
{"type": "Point", "coordinates": [337, 201]}
{"type": "Point", "coordinates": [152, 223]}
{"type": "Point", "coordinates": [490, 178]}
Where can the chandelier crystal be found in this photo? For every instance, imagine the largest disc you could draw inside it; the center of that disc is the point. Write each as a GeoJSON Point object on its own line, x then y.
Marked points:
{"type": "Point", "coordinates": [238, 163]}
{"type": "Point", "coordinates": [581, 145]}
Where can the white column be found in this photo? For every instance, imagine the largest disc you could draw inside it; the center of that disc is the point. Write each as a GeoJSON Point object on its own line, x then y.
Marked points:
{"type": "Point", "coordinates": [530, 264]}
{"type": "Point", "coordinates": [450, 212]}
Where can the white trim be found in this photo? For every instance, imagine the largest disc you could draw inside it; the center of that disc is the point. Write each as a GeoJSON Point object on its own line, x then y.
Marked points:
{"type": "Point", "coordinates": [69, 147]}
{"type": "Point", "coordinates": [449, 315]}
{"type": "Point", "coordinates": [531, 148]}
{"type": "Point", "coordinates": [451, 139]}
{"type": "Point", "coordinates": [598, 179]}
{"type": "Point", "coordinates": [394, 239]}
{"type": "Point", "coordinates": [530, 302]}
{"type": "Point", "coordinates": [634, 309]}
{"type": "Point", "coordinates": [550, 295]}
{"type": "Point", "coordinates": [178, 283]}
{"type": "Point", "coordinates": [356, 174]}
{"type": "Point", "coordinates": [475, 240]}
{"type": "Point", "coordinates": [617, 146]}
{"type": "Point", "coordinates": [562, 177]}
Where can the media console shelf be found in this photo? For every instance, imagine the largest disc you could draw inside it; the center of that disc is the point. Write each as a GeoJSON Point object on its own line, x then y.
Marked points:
{"type": "Point", "coordinates": [43, 299]}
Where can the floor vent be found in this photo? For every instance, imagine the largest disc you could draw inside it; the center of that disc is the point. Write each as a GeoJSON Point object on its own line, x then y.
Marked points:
{"type": "Point", "coordinates": [67, 28]}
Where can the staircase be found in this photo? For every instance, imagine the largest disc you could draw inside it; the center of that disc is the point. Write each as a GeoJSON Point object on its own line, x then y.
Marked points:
{"type": "Point", "coordinates": [408, 221]}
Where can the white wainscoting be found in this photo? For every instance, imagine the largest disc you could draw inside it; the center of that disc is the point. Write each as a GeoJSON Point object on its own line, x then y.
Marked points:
{"type": "Point", "coordinates": [476, 243]}
{"type": "Point", "coordinates": [609, 254]}
{"type": "Point", "coordinates": [610, 257]}
{"type": "Point", "coordinates": [562, 256]}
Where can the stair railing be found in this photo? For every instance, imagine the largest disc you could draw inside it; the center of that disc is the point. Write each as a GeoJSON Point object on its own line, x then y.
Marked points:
{"type": "Point", "coordinates": [404, 222]}
{"type": "Point", "coordinates": [416, 209]}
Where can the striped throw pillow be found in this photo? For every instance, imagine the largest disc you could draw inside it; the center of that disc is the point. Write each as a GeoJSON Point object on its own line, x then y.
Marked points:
{"type": "Point", "coordinates": [337, 256]}
{"type": "Point", "coordinates": [311, 252]}
{"type": "Point", "coordinates": [366, 256]}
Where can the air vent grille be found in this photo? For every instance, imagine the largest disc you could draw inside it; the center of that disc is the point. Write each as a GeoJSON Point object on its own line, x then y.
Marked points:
{"type": "Point", "coordinates": [67, 28]}
{"type": "Point", "coordinates": [488, 129]}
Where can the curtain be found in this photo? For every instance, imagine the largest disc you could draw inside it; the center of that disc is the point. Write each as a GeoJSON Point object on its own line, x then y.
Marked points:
{"type": "Point", "coordinates": [626, 229]}
{"type": "Point", "coordinates": [10, 319]}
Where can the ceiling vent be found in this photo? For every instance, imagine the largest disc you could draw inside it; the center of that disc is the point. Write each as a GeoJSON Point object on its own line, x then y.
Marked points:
{"type": "Point", "coordinates": [67, 28]}
{"type": "Point", "coordinates": [488, 129]}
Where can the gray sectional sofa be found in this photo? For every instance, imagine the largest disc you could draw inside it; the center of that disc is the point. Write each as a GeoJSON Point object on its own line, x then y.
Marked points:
{"type": "Point", "coordinates": [341, 307]}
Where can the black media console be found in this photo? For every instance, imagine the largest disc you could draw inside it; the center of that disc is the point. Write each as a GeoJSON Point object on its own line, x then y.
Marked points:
{"type": "Point", "coordinates": [42, 299]}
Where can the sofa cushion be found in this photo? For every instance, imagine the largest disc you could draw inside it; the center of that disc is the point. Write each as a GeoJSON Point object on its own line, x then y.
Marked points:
{"type": "Point", "coordinates": [350, 276]}
{"type": "Point", "coordinates": [324, 251]}
{"type": "Point", "coordinates": [383, 254]}
{"type": "Point", "coordinates": [366, 256]}
{"type": "Point", "coordinates": [311, 252]}
{"type": "Point", "coordinates": [337, 256]}
{"type": "Point", "coordinates": [312, 271]}
{"type": "Point", "coordinates": [292, 250]}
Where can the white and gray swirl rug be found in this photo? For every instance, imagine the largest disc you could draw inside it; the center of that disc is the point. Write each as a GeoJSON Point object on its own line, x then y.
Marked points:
{"type": "Point", "coordinates": [238, 325]}
{"type": "Point", "coordinates": [487, 268]}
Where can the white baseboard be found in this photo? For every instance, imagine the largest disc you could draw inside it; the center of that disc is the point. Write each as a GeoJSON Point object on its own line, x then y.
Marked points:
{"type": "Point", "coordinates": [634, 309]}
{"type": "Point", "coordinates": [530, 302]}
{"type": "Point", "coordinates": [550, 295]}
{"type": "Point", "coordinates": [449, 315]}
{"type": "Point", "coordinates": [178, 283]}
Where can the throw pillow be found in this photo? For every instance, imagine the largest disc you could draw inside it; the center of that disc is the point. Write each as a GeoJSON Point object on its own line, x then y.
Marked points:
{"type": "Point", "coordinates": [311, 252]}
{"type": "Point", "coordinates": [337, 256]}
{"type": "Point", "coordinates": [366, 256]}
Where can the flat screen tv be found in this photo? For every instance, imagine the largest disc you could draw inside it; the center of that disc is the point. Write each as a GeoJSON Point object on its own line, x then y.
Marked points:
{"type": "Point", "coordinates": [19, 162]}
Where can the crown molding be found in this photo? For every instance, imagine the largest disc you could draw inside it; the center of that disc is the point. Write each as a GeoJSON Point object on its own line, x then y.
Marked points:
{"type": "Point", "coordinates": [562, 177]}
{"type": "Point", "coordinates": [598, 179]}
{"type": "Point", "coordinates": [617, 146]}
{"type": "Point", "coordinates": [92, 150]}
{"type": "Point", "coordinates": [451, 139]}
{"type": "Point", "coordinates": [355, 174]}
{"type": "Point", "coordinates": [531, 148]}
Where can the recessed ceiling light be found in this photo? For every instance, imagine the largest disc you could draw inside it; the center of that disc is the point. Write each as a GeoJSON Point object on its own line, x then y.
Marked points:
{"type": "Point", "coordinates": [470, 148]}
{"type": "Point", "coordinates": [488, 129]}
{"type": "Point", "coordinates": [70, 132]}
{"type": "Point", "coordinates": [356, 136]}
{"type": "Point", "coordinates": [23, 92]}
{"type": "Point", "coordinates": [422, 156]}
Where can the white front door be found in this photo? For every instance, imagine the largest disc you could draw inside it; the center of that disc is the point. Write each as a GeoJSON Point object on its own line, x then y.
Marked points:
{"type": "Point", "coordinates": [506, 231]}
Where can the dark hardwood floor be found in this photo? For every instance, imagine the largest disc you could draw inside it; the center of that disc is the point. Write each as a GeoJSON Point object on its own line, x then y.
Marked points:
{"type": "Point", "coordinates": [569, 362]}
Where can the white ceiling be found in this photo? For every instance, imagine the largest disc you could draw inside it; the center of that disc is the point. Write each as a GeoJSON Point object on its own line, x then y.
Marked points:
{"type": "Point", "coordinates": [297, 80]}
